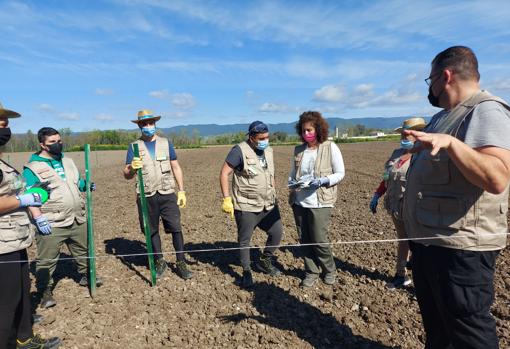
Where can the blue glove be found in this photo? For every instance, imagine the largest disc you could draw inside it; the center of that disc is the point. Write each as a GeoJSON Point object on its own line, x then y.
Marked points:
{"type": "Point", "coordinates": [29, 199]}
{"type": "Point", "coordinates": [43, 225]}
{"type": "Point", "coordinates": [92, 186]}
{"type": "Point", "coordinates": [374, 202]}
{"type": "Point", "coordinates": [318, 182]}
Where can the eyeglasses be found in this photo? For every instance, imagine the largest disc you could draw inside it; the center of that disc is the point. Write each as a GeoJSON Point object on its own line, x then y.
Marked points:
{"type": "Point", "coordinates": [428, 80]}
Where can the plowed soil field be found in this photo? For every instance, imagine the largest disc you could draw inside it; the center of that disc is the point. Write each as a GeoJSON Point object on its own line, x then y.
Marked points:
{"type": "Point", "coordinates": [211, 310]}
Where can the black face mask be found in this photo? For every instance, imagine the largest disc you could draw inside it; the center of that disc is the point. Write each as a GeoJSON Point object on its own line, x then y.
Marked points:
{"type": "Point", "coordinates": [433, 100]}
{"type": "Point", "coordinates": [55, 150]}
{"type": "Point", "coordinates": [5, 135]}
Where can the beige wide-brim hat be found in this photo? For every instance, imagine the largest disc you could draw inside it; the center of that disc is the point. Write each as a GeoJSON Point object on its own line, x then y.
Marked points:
{"type": "Point", "coordinates": [417, 124]}
{"type": "Point", "coordinates": [145, 115]}
{"type": "Point", "coordinates": [6, 113]}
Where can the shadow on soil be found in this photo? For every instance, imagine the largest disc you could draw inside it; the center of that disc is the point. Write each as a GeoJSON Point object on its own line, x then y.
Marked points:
{"type": "Point", "coordinates": [279, 309]}
{"type": "Point", "coordinates": [121, 246]}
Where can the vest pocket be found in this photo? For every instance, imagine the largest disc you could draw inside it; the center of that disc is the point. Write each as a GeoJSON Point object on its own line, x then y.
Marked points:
{"type": "Point", "coordinates": [15, 229]}
{"type": "Point", "coordinates": [438, 211]}
{"type": "Point", "coordinates": [435, 170]}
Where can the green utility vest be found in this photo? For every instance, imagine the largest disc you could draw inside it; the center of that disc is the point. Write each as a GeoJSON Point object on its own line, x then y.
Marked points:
{"type": "Point", "coordinates": [395, 184]}
{"type": "Point", "coordinates": [15, 228]}
{"type": "Point", "coordinates": [65, 204]}
{"type": "Point", "coordinates": [441, 203]}
{"type": "Point", "coordinates": [323, 167]}
{"type": "Point", "coordinates": [157, 173]}
{"type": "Point", "coordinates": [252, 188]}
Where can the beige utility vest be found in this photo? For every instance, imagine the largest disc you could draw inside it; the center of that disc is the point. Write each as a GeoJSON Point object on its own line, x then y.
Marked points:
{"type": "Point", "coordinates": [158, 176]}
{"type": "Point", "coordinates": [440, 202]}
{"type": "Point", "coordinates": [66, 203]}
{"type": "Point", "coordinates": [322, 168]}
{"type": "Point", "coordinates": [252, 188]}
{"type": "Point", "coordinates": [396, 183]}
{"type": "Point", "coordinates": [15, 228]}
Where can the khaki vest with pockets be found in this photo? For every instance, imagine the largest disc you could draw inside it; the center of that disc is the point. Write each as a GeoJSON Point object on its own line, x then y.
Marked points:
{"type": "Point", "coordinates": [65, 204]}
{"type": "Point", "coordinates": [252, 188]}
{"type": "Point", "coordinates": [395, 184]}
{"type": "Point", "coordinates": [323, 168]}
{"type": "Point", "coordinates": [15, 228]}
{"type": "Point", "coordinates": [158, 176]}
{"type": "Point", "coordinates": [440, 202]}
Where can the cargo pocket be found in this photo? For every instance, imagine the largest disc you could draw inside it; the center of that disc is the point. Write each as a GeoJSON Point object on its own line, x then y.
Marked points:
{"type": "Point", "coordinates": [15, 229]}
{"type": "Point", "coordinates": [437, 170]}
{"type": "Point", "coordinates": [167, 180]}
{"type": "Point", "coordinates": [437, 211]}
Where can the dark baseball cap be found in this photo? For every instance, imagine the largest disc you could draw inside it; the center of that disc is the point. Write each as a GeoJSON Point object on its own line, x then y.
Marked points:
{"type": "Point", "coordinates": [257, 127]}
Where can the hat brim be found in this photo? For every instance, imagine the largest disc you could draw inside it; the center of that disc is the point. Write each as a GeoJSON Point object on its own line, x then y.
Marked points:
{"type": "Point", "coordinates": [156, 118]}
{"type": "Point", "coordinates": [6, 113]}
{"type": "Point", "coordinates": [418, 127]}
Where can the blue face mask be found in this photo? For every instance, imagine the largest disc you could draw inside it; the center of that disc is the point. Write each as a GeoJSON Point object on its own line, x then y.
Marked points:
{"type": "Point", "coordinates": [261, 145]}
{"type": "Point", "coordinates": [149, 131]}
{"type": "Point", "coordinates": [406, 144]}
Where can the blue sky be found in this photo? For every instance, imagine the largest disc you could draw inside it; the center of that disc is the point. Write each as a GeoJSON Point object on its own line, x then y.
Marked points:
{"type": "Point", "coordinates": [93, 64]}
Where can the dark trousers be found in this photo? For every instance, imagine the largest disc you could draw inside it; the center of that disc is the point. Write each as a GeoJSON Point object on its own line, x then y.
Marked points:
{"type": "Point", "coordinates": [164, 206]}
{"type": "Point", "coordinates": [269, 221]}
{"type": "Point", "coordinates": [455, 292]}
{"type": "Point", "coordinates": [15, 309]}
{"type": "Point", "coordinates": [312, 226]}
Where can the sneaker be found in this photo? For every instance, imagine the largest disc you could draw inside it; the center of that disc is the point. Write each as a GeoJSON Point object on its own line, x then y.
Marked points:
{"type": "Point", "coordinates": [84, 281]}
{"type": "Point", "coordinates": [36, 318]}
{"type": "Point", "coordinates": [247, 280]}
{"type": "Point", "coordinates": [399, 281]}
{"type": "Point", "coordinates": [183, 271]}
{"type": "Point", "coordinates": [160, 267]}
{"type": "Point", "coordinates": [330, 278]}
{"type": "Point", "coordinates": [47, 300]}
{"type": "Point", "coordinates": [37, 342]}
{"type": "Point", "coordinates": [309, 280]}
{"type": "Point", "coordinates": [266, 266]}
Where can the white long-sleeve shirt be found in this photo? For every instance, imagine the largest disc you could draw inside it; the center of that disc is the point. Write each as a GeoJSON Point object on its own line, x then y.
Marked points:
{"type": "Point", "coordinates": [308, 197]}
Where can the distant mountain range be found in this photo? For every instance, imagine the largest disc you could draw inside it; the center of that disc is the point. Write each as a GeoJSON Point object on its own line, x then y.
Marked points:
{"type": "Point", "coordinates": [206, 130]}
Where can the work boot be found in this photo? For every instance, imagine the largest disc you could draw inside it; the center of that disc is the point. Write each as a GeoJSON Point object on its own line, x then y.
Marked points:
{"type": "Point", "coordinates": [160, 267]}
{"type": "Point", "coordinates": [399, 281]}
{"type": "Point", "coordinates": [265, 265]}
{"type": "Point", "coordinates": [330, 278]}
{"type": "Point", "coordinates": [247, 280]}
{"type": "Point", "coordinates": [47, 300]}
{"type": "Point", "coordinates": [309, 280]}
{"type": "Point", "coordinates": [84, 281]}
{"type": "Point", "coordinates": [183, 271]}
{"type": "Point", "coordinates": [36, 318]}
{"type": "Point", "coordinates": [37, 342]}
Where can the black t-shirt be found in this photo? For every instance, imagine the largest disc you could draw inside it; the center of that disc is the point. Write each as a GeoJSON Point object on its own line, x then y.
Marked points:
{"type": "Point", "coordinates": [235, 158]}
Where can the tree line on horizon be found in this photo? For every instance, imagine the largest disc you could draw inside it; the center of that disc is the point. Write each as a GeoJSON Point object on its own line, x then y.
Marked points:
{"type": "Point", "coordinates": [120, 139]}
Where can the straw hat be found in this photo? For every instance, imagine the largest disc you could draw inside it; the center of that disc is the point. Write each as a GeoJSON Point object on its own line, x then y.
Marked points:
{"type": "Point", "coordinates": [412, 124]}
{"type": "Point", "coordinates": [6, 113]}
{"type": "Point", "coordinates": [145, 115]}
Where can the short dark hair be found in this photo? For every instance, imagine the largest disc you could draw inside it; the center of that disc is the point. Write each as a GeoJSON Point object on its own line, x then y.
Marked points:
{"type": "Point", "coordinates": [461, 60]}
{"type": "Point", "coordinates": [46, 132]}
{"type": "Point", "coordinates": [320, 124]}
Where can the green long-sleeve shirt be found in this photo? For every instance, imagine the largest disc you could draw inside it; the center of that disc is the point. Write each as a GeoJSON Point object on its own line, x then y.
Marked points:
{"type": "Point", "coordinates": [31, 178]}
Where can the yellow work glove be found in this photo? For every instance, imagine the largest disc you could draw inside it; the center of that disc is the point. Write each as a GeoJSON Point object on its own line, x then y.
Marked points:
{"type": "Point", "coordinates": [227, 206]}
{"type": "Point", "coordinates": [136, 163]}
{"type": "Point", "coordinates": [181, 199]}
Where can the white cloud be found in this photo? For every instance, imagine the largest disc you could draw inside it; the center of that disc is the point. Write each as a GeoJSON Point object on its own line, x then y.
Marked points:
{"type": "Point", "coordinates": [70, 116]}
{"type": "Point", "coordinates": [46, 108]}
{"type": "Point", "coordinates": [103, 91]}
{"type": "Point", "coordinates": [498, 85]}
{"type": "Point", "coordinates": [330, 93]}
{"type": "Point", "coordinates": [183, 101]}
{"type": "Point", "coordinates": [180, 101]}
{"type": "Point", "coordinates": [277, 108]}
{"type": "Point", "coordinates": [104, 117]}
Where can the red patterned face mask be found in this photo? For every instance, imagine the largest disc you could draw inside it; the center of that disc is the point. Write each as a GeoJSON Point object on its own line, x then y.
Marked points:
{"type": "Point", "coordinates": [310, 137]}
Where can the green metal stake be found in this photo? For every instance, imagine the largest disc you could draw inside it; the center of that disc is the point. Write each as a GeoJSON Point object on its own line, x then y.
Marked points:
{"type": "Point", "coordinates": [145, 215]}
{"type": "Point", "coordinates": [90, 226]}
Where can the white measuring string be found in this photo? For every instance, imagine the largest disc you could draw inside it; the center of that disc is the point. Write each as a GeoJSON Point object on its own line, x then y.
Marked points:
{"type": "Point", "coordinates": [224, 249]}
